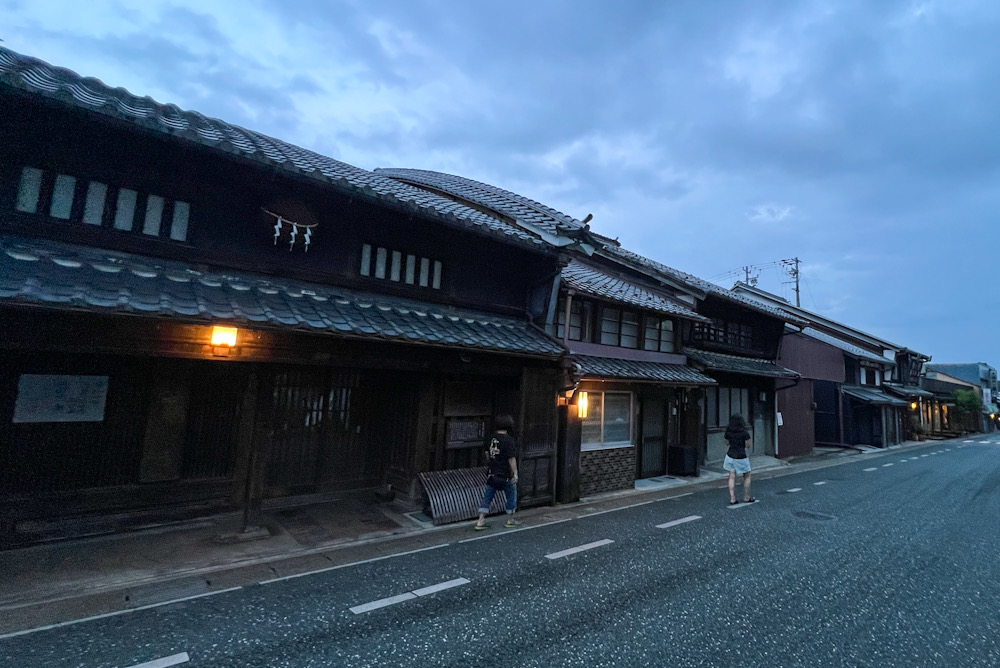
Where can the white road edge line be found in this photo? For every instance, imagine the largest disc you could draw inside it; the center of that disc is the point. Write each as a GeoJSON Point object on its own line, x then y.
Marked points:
{"type": "Point", "coordinates": [581, 548]}
{"type": "Point", "coordinates": [615, 510]}
{"type": "Point", "coordinates": [427, 591]}
{"type": "Point", "coordinates": [382, 603]}
{"type": "Point", "coordinates": [793, 490]}
{"type": "Point", "coordinates": [353, 563]}
{"type": "Point", "coordinates": [165, 661]}
{"type": "Point", "coordinates": [508, 533]}
{"type": "Point", "coordinates": [689, 518]}
{"type": "Point", "coordinates": [57, 625]}
{"type": "Point", "coordinates": [671, 498]}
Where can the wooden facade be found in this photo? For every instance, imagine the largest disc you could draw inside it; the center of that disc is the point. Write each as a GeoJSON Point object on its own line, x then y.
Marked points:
{"type": "Point", "coordinates": [125, 245]}
{"type": "Point", "coordinates": [851, 393]}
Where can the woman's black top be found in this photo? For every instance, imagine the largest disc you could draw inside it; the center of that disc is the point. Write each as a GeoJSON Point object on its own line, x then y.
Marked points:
{"type": "Point", "coordinates": [737, 443]}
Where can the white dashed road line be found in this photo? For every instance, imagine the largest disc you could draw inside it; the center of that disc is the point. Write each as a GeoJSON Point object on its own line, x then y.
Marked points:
{"type": "Point", "coordinates": [164, 662]}
{"type": "Point", "coordinates": [821, 482]}
{"type": "Point", "coordinates": [382, 603]}
{"type": "Point", "coordinates": [581, 548]}
{"type": "Point", "coordinates": [923, 455]}
{"type": "Point", "coordinates": [987, 442]}
{"type": "Point", "coordinates": [794, 489]}
{"type": "Point", "coordinates": [408, 596]}
{"type": "Point", "coordinates": [743, 504]}
{"type": "Point", "coordinates": [885, 465]}
{"type": "Point", "coordinates": [689, 518]}
{"type": "Point", "coordinates": [441, 586]}
{"type": "Point", "coordinates": [872, 469]}
{"type": "Point", "coordinates": [968, 441]}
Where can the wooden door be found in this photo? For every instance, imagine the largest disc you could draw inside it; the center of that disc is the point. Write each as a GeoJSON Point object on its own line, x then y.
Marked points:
{"type": "Point", "coordinates": [653, 458]}
{"type": "Point", "coordinates": [538, 436]}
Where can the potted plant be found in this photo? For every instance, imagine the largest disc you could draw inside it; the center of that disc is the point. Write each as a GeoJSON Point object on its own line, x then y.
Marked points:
{"type": "Point", "coordinates": [917, 428]}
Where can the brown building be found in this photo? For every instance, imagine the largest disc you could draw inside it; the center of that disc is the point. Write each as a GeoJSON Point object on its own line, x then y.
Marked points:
{"type": "Point", "coordinates": [197, 317]}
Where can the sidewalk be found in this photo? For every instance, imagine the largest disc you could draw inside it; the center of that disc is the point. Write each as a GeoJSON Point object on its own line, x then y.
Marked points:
{"type": "Point", "coordinates": [54, 583]}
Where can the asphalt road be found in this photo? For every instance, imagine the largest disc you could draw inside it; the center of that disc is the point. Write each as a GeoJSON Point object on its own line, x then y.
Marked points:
{"type": "Point", "coordinates": [888, 560]}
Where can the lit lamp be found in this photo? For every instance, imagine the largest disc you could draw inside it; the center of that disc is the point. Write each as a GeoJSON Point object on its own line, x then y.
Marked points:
{"type": "Point", "coordinates": [582, 405]}
{"type": "Point", "coordinates": [223, 339]}
{"type": "Point", "coordinates": [913, 406]}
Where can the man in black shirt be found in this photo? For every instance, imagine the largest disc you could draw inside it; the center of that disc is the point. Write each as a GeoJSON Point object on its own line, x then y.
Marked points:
{"type": "Point", "coordinates": [501, 473]}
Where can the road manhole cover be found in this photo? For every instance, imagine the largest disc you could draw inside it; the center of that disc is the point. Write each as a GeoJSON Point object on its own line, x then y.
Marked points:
{"type": "Point", "coordinates": [813, 515]}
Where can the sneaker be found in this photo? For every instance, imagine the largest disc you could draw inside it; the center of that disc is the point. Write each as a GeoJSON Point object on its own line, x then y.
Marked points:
{"type": "Point", "coordinates": [513, 524]}
{"type": "Point", "coordinates": [481, 527]}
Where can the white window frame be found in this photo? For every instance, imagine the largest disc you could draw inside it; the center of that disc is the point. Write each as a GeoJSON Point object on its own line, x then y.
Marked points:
{"type": "Point", "coordinates": [630, 443]}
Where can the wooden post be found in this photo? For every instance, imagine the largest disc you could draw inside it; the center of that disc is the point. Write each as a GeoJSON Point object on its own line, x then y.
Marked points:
{"type": "Point", "coordinates": [568, 456]}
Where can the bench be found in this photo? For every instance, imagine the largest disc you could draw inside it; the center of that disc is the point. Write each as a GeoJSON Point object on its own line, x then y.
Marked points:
{"type": "Point", "coordinates": [454, 495]}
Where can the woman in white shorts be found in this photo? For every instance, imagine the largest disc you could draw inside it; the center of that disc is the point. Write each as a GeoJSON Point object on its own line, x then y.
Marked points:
{"type": "Point", "coordinates": [737, 435]}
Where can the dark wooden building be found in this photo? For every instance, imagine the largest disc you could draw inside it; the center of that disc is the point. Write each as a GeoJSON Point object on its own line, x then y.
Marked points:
{"type": "Point", "coordinates": [738, 347]}
{"type": "Point", "coordinates": [635, 398]}
{"type": "Point", "coordinates": [196, 317]}
{"type": "Point", "coordinates": [855, 389]}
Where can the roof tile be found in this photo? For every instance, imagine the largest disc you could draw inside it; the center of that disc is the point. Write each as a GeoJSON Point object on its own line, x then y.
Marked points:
{"type": "Point", "coordinates": [750, 366]}
{"type": "Point", "coordinates": [63, 274]}
{"type": "Point", "coordinates": [595, 282]}
{"type": "Point", "coordinates": [35, 76]}
{"type": "Point", "coordinates": [609, 367]}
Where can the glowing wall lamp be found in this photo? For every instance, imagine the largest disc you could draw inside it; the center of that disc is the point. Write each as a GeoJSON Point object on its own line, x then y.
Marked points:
{"type": "Point", "coordinates": [582, 405]}
{"type": "Point", "coordinates": [223, 339]}
{"type": "Point", "coordinates": [913, 406]}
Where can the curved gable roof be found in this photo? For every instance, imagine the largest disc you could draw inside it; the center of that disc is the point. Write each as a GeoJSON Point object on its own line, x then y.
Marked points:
{"type": "Point", "coordinates": [592, 281]}
{"type": "Point", "coordinates": [38, 77]}
{"type": "Point", "coordinates": [615, 251]}
{"type": "Point", "coordinates": [556, 227]}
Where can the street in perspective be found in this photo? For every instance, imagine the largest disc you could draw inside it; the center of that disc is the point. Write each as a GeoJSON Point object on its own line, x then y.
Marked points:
{"type": "Point", "coordinates": [868, 560]}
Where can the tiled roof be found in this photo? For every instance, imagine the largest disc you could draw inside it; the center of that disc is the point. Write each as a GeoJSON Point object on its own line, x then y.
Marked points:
{"type": "Point", "coordinates": [750, 366]}
{"type": "Point", "coordinates": [35, 76]}
{"type": "Point", "coordinates": [613, 250]}
{"type": "Point", "coordinates": [907, 390]}
{"type": "Point", "coordinates": [871, 396]}
{"type": "Point", "coordinates": [597, 283]}
{"type": "Point", "coordinates": [848, 348]}
{"type": "Point", "coordinates": [607, 367]}
{"type": "Point", "coordinates": [561, 229]}
{"type": "Point", "coordinates": [54, 274]}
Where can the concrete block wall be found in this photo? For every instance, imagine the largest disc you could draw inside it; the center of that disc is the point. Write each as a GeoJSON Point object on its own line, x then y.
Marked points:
{"type": "Point", "coordinates": [606, 470]}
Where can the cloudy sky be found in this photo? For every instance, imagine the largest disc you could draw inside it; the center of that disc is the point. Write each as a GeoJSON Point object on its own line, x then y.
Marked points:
{"type": "Point", "coordinates": [857, 136]}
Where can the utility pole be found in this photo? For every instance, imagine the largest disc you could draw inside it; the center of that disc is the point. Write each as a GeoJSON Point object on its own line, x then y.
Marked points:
{"type": "Point", "coordinates": [793, 271]}
{"type": "Point", "coordinates": [747, 278]}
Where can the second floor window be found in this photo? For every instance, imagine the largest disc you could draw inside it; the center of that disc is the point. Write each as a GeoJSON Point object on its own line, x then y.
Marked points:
{"type": "Point", "coordinates": [727, 333]}
{"type": "Point", "coordinates": [658, 334]}
{"type": "Point", "coordinates": [62, 197]}
{"type": "Point", "coordinates": [870, 376]}
{"type": "Point", "coordinates": [591, 322]}
{"type": "Point", "coordinates": [619, 328]}
{"type": "Point", "coordinates": [399, 267]}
